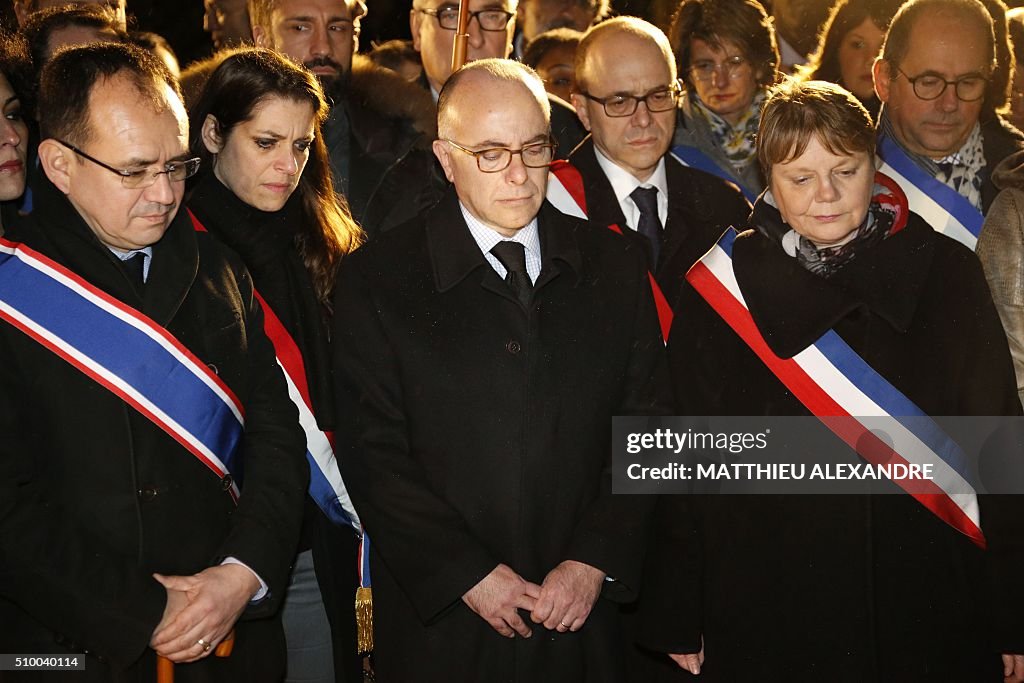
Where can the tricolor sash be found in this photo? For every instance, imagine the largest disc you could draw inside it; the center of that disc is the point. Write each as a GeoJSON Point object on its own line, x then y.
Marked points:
{"type": "Point", "coordinates": [837, 386]}
{"type": "Point", "coordinates": [696, 158]}
{"type": "Point", "coordinates": [942, 207]}
{"type": "Point", "coordinates": [125, 352]}
{"type": "Point", "coordinates": [325, 484]}
{"type": "Point", "coordinates": [566, 193]}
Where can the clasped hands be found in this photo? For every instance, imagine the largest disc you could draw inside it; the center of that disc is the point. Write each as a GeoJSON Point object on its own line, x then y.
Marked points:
{"type": "Point", "coordinates": [201, 610]}
{"type": "Point", "coordinates": [562, 602]}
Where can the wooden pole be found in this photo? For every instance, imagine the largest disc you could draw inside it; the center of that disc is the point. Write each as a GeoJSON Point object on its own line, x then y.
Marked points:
{"type": "Point", "coordinates": [461, 37]}
{"type": "Point", "coordinates": [165, 667]}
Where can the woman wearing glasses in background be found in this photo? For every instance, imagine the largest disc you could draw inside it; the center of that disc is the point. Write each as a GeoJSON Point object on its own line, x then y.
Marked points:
{"type": "Point", "coordinates": [270, 198]}
{"type": "Point", "coordinates": [727, 55]}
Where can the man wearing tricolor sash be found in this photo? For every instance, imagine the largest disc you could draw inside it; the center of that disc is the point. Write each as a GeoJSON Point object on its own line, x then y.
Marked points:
{"type": "Point", "coordinates": [939, 135]}
{"type": "Point", "coordinates": [627, 99]}
{"type": "Point", "coordinates": [843, 305]}
{"type": "Point", "coordinates": [480, 354]}
{"type": "Point", "coordinates": [151, 463]}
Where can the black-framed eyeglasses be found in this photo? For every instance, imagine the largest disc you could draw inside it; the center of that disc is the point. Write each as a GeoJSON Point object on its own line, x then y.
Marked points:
{"type": "Point", "coordinates": [489, 19]}
{"type": "Point", "coordinates": [176, 171]}
{"type": "Point", "coordinates": [970, 88]}
{"type": "Point", "coordinates": [618, 106]}
{"type": "Point", "coordinates": [705, 69]}
{"type": "Point", "coordinates": [495, 159]}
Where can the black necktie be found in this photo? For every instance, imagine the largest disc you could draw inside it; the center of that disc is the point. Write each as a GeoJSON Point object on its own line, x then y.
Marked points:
{"type": "Point", "coordinates": [513, 256]}
{"type": "Point", "coordinates": [134, 267]}
{"type": "Point", "coordinates": [646, 199]}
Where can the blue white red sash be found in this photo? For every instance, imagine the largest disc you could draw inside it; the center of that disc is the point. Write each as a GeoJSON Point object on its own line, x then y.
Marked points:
{"type": "Point", "coordinates": [127, 353]}
{"type": "Point", "coordinates": [325, 484]}
{"type": "Point", "coordinates": [567, 194]}
{"type": "Point", "coordinates": [838, 387]}
{"type": "Point", "coordinates": [942, 207]}
{"type": "Point", "coordinates": [696, 158]}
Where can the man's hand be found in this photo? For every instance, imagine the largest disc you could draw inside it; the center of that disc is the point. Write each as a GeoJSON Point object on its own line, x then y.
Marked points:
{"type": "Point", "coordinates": [567, 595]}
{"type": "Point", "coordinates": [497, 597]}
{"type": "Point", "coordinates": [1013, 668]}
{"type": "Point", "coordinates": [691, 663]}
{"type": "Point", "coordinates": [215, 599]}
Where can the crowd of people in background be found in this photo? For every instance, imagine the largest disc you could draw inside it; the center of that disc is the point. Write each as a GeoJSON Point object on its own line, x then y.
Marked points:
{"type": "Point", "coordinates": [309, 321]}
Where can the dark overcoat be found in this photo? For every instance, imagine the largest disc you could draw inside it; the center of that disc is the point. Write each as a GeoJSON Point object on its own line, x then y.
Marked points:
{"type": "Point", "coordinates": [700, 208]}
{"type": "Point", "coordinates": [94, 498]}
{"type": "Point", "coordinates": [266, 242]}
{"type": "Point", "coordinates": [842, 588]}
{"type": "Point", "coordinates": [479, 433]}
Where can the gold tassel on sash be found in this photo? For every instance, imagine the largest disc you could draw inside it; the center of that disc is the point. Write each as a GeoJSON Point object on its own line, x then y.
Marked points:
{"type": "Point", "coordinates": [364, 620]}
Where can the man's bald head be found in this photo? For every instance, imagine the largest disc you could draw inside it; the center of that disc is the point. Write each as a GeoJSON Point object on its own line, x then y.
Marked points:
{"type": "Point", "coordinates": [619, 29]}
{"type": "Point", "coordinates": [468, 80]}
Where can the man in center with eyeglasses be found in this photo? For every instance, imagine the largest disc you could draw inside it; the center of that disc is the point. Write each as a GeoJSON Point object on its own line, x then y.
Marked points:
{"type": "Point", "coordinates": [938, 136]}
{"type": "Point", "coordinates": [491, 26]}
{"type": "Point", "coordinates": [477, 381]}
{"type": "Point", "coordinates": [137, 378]}
{"type": "Point", "coordinates": [627, 92]}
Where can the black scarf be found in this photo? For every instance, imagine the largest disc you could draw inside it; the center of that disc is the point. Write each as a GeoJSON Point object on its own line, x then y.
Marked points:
{"type": "Point", "coordinates": [266, 243]}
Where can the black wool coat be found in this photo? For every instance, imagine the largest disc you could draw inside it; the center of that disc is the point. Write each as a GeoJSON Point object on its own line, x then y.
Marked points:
{"type": "Point", "coordinates": [266, 242]}
{"type": "Point", "coordinates": [700, 208]}
{"type": "Point", "coordinates": [94, 498]}
{"type": "Point", "coordinates": [842, 588]}
{"type": "Point", "coordinates": [479, 433]}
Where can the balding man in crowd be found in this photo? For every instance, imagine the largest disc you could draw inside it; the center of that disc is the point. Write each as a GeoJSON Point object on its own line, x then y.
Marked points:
{"type": "Point", "coordinates": [626, 96]}
{"type": "Point", "coordinates": [23, 9]}
{"type": "Point", "coordinates": [477, 382]}
{"type": "Point", "coordinates": [380, 126]}
{"type": "Point", "coordinates": [126, 528]}
{"type": "Point", "coordinates": [937, 135]}
{"type": "Point", "coordinates": [491, 26]}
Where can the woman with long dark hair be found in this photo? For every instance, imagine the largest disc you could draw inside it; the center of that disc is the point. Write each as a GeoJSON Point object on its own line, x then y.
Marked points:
{"type": "Point", "coordinates": [850, 40]}
{"type": "Point", "coordinates": [267, 193]}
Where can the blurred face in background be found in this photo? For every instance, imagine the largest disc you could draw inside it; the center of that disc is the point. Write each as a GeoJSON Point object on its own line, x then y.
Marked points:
{"type": "Point", "coordinates": [723, 77]}
{"type": "Point", "coordinates": [227, 22]}
{"type": "Point", "coordinates": [555, 69]}
{"type": "Point", "coordinates": [13, 144]}
{"type": "Point", "coordinates": [857, 53]}
{"type": "Point", "coordinates": [537, 16]}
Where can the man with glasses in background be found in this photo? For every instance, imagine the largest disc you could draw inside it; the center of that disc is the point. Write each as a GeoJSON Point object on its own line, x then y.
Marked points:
{"type": "Point", "coordinates": [476, 382]}
{"type": "Point", "coordinates": [137, 379]}
{"type": "Point", "coordinates": [491, 26]}
{"type": "Point", "coordinates": [933, 78]}
{"type": "Point", "coordinates": [627, 92]}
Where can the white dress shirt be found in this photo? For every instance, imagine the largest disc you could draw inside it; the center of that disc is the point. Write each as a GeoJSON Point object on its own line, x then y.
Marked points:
{"type": "Point", "coordinates": [623, 183]}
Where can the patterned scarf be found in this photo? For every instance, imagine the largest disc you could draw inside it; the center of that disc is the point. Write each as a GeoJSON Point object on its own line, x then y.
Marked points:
{"type": "Point", "coordinates": [887, 214]}
{"type": "Point", "coordinates": [739, 142]}
{"type": "Point", "coordinates": [961, 171]}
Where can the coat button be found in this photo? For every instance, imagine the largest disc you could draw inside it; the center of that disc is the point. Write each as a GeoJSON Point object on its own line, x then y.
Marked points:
{"type": "Point", "coordinates": [225, 483]}
{"type": "Point", "coordinates": [147, 493]}
{"type": "Point", "coordinates": [513, 347]}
